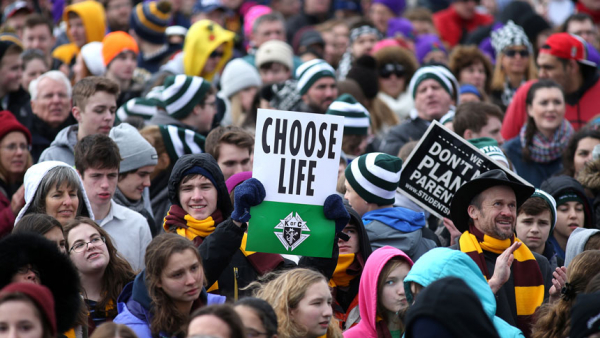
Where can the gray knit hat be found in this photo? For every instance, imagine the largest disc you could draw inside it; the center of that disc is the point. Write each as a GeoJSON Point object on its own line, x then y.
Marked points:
{"type": "Point", "coordinates": [237, 75]}
{"type": "Point", "coordinates": [356, 116]}
{"type": "Point", "coordinates": [135, 151]}
{"type": "Point", "coordinates": [375, 177]}
{"type": "Point", "coordinates": [309, 72]}
{"type": "Point", "coordinates": [182, 93]}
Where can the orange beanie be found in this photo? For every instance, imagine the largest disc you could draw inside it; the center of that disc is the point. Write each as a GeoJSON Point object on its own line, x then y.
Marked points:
{"type": "Point", "coordinates": [115, 43]}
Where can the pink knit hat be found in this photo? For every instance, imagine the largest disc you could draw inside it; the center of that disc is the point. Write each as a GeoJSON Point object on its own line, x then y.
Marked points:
{"type": "Point", "coordinates": [254, 13]}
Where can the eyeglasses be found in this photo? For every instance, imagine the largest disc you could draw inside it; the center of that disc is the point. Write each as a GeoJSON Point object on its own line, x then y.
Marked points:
{"type": "Point", "coordinates": [80, 246]}
{"type": "Point", "coordinates": [391, 68]}
{"type": "Point", "coordinates": [511, 53]}
{"type": "Point", "coordinates": [26, 269]}
{"type": "Point", "coordinates": [216, 54]}
{"type": "Point", "coordinates": [13, 147]}
{"type": "Point", "coordinates": [251, 333]}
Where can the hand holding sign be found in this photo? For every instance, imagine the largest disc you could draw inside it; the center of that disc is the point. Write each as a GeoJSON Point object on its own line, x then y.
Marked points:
{"type": "Point", "coordinates": [334, 209]}
{"type": "Point", "coordinates": [248, 194]}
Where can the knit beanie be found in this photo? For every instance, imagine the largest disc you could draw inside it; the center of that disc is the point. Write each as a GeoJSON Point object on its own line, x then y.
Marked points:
{"type": "Point", "coordinates": [438, 73]}
{"type": "Point", "coordinates": [400, 27]}
{"type": "Point", "coordinates": [364, 71]}
{"type": "Point", "coordinates": [40, 295]}
{"type": "Point", "coordinates": [490, 147]}
{"type": "Point", "coordinates": [510, 35]}
{"type": "Point", "coordinates": [426, 44]}
{"type": "Point", "coordinates": [182, 93]}
{"type": "Point", "coordinates": [275, 51]}
{"type": "Point", "coordinates": [7, 40]}
{"type": "Point", "coordinates": [551, 204]}
{"type": "Point", "coordinates": [470, 89]}
{"type": "Point", "coordinates": [10, 124]}
{"type": "Point", "coordinates": [375, 177]}
{"type": "Point", "coordinates": [396, 6]}
{"type": "Point", "coordinates": [238, 75]}
{"type": "Point", "coordinates": [140, 107]}
{"type": "Point", "coordinates": [254, 13]}
{"type": "Point", "coordinates": [149, 20]}
{"type": "Point", "coordinates": [116, 43]}
{"type": "Point", "coordinates": [181, 141]}
{"type": "Point", "coordinates": [93, 59]}
{"type": "Point", "coordinates": [309, 72]}
{"type": "Point", "coordinates": [135, 151]}
{"type": "Point", "coordinates": [585, 315]}
{"type": "Point", "coordinates": [356, 116]}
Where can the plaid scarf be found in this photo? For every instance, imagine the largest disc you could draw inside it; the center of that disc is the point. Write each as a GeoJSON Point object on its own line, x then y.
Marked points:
{"type": "Point", "coordinates": [529, 284]}
{"type": "Point", "coordinates": [544, 150]}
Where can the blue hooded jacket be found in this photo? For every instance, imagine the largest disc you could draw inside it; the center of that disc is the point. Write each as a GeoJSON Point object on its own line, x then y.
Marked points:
{"type": "Point", "coordinates": [443, 262]}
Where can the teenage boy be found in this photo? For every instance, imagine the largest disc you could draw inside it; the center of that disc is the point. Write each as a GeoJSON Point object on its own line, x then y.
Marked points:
{"type": "Point", "coordinates": [120, 51]}
{"type": "Point", "coordinates": [274, 61]}
{"type": "Point", "coordinates": [232, 148]}
{"type": "Point", "coordinates": [138, 159]}
{"type": "Point", "coordinates": [12, 96]}
{"type": "Point", "coordinates": [97, 160]}
{"type": "Point", "coordinates": [94, 107]}
{"type": "Point", "coordinates": [478, 119]}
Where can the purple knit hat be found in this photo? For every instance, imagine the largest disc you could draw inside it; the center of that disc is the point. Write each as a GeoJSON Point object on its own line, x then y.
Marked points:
{"type": "Point", "coordinates": [400, 27]}
{"type": "Point", "coordinates": [427, 43]}
{"type": "Point", "coordinates": [396, 6]}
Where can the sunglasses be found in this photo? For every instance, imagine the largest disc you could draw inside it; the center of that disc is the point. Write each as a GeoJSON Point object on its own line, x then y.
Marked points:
{"type": "Point", "coordinates": [391, 68]}
{"type": "Point", "coordinates": [511, 53]}
{"type": "Point", "coordinates": [216, 54]}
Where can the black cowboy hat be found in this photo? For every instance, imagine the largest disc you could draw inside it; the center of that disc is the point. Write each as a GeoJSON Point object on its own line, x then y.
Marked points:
{"type": "Point", "coordinates": [462, 199]}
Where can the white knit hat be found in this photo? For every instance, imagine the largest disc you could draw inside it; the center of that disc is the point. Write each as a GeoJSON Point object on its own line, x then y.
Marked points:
{"type": "Point", "coordinates": [275, 51]}
{"type": "Point", "coordinates": [92, 56]}
{"type": "Point", "coordinates": [237, 75]}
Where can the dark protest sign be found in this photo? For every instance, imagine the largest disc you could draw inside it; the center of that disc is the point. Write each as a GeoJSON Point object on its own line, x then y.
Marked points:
{"type": "Point", "coordinates": [296, 157]}
{"type": "Point", "coordinates": [440, 164]}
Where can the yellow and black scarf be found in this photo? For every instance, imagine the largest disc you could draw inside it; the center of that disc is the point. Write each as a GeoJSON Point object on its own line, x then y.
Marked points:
{"type": "Point", "coordinates": [525, 271]}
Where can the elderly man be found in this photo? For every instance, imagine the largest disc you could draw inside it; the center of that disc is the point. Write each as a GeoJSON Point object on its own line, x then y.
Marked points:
{"type": "Point", "coordinates": [434, 90]}
{"type": "Point", "coordinates": [317, 86]}
{"type": "Point", "coordinates": [485, 211]}
{"type": "Point", "coordinates": [51, 106]}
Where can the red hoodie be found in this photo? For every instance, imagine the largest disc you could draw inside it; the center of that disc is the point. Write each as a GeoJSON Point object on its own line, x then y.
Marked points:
{"type": "Point", "coordinates": [452, 27]}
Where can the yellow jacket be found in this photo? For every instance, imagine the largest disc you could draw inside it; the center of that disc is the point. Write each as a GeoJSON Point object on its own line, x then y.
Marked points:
{"type": "Point", "coordinates": [202, 39]}
{"type": "Point", "coordinates": [94, 20]}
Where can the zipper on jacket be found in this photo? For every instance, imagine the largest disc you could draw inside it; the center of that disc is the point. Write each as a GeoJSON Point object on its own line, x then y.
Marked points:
{"type": "Point", "coordinates": [236, 275]}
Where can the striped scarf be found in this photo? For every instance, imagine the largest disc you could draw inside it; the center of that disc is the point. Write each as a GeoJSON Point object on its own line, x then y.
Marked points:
{"type": "Point", "coordinates": [529, 284]}
{"type": "Point", "coordinates": [544, 150]}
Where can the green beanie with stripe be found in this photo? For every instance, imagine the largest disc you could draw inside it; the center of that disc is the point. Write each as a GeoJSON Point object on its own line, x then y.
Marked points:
{"type": "Point", "coordinates": [182, 93]}
{"type": "Point", "coordinates": [181, 141]}
{"type": "Point", "coordinates": [551, 205]}
{"type": "Point", "coordinates": [310, 72]}
{"type": "Point", "coordinates": [356, 116]}
{"type": "Point", "coordinates": [375, 177]}
{"type": "Point", "coordinates": [140, 107]}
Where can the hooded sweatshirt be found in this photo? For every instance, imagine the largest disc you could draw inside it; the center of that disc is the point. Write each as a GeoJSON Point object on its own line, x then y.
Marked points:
{"type": "Point", "coordinates": [135, 306]}
{"type": "Point", "coordinates": [33, 178]}
{"type": "Point", "coordinates": [63, 147]}
{"type": "Point", "coordinates": [94, 20]}
{"type": "Point", "coordinates": [443, 262]}
{"type": "Point", "coordinates": [201, 40]}
{"type": "Point", "coordinates": [367, 292]}
{"type": "Point", "coordinates": [577, 241]}
{"type": "Point", "coordinates": [559, 185]}
{"type": "Point", "coordinates": [400, 228]}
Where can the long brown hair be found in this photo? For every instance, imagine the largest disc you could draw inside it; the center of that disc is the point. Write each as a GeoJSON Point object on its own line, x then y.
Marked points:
{"type": "Point", "coordinates": [555, 319]}
{"type": "Point", "coordinates": [166, 317]}
{"type": "Point", "coordinates": [118, 271]}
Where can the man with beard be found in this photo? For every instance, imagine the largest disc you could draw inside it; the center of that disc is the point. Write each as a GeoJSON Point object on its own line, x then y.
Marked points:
{"type": "Point", "coordinates": [485, 211]}
{"type": "Point", "coordinates": [118, 13]}
{"type": "Point", "coordinates": [317, 86]}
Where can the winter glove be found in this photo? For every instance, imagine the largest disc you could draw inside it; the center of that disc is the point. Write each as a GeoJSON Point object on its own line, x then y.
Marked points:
{"type": "Point", "coordinates": [334, 209]}
{"type": "Point", "coordinates": [248, 194]}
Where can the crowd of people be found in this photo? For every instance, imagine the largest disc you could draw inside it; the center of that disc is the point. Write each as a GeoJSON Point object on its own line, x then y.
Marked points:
{"type": "Point", "coordinates": [127, 132]}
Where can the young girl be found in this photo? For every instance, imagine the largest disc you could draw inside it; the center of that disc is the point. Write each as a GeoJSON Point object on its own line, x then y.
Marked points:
{"type": "Point", "coordinates": [27, 311]}
{"type": "Point", "coordinates": [160, 300]}
{"type": "Point", "coordinates": [258, 317]}
{"type": "Point", "coordinates": [103, 272]}
{"type": "Point", "coordinates": [302, 301]}
{"type": "Point", "coordinates": [383, 275]}
{"type": "Point", "coordinates": [44, 225]}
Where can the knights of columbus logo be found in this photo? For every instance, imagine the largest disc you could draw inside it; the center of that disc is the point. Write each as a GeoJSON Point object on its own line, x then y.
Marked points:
{"type": "Point", "coordinates": [292, 235]}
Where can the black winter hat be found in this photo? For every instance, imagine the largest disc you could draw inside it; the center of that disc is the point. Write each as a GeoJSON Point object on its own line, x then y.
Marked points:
{"type": "Point", "coordinates": [364, 71]}
{"type": "Point", "coordinates": [585, 315]}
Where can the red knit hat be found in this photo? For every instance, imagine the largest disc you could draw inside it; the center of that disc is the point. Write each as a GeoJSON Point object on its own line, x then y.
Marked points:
{"type": "Point", "coordinates": [115, 43]}
{"type": "Point", "coordinates": [9, 123]}
{"type": "Point", "coordinates": [40, 294]}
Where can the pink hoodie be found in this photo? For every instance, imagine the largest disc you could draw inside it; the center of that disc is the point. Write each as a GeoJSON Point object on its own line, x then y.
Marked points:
{"type": "Point", "coordinates": [367, 292]}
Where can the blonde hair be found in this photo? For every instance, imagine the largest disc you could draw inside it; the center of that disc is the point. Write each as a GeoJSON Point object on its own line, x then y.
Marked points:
{"type": "Point", "coordinates": [285, 292]}
{"type": "Point", "coordinates": [499, 76]}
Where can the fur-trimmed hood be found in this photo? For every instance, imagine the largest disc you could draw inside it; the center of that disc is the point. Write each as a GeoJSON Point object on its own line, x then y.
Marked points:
{"type": "Point", "coordinates": [55, 269]}
{"type": "Point", "coordinates": [589, 176]}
